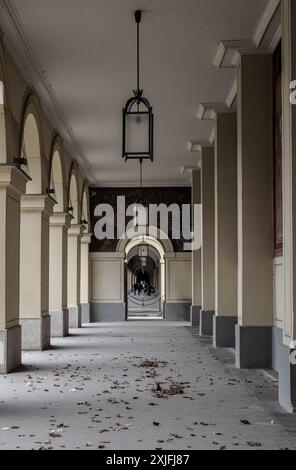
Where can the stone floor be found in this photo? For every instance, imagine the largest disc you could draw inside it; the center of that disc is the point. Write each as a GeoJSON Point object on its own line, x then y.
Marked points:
{"type": "Point", "coordinates": [90, 392]}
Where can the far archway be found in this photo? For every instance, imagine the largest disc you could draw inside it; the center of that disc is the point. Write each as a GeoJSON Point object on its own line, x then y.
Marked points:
{"type": "Point", "coordinates": [158, 248]}
{"type": "Point", "coordinates": [145, 279]}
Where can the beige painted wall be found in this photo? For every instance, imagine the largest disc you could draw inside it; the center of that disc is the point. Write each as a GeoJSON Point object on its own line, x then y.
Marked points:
{"type": "Point", "coordinates": [107, 277]}
{"type": "Point", "coordinates": [179, 278]}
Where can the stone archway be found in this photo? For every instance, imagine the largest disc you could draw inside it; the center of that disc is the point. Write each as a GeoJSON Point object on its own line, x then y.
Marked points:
{"type": "Point", "coordinates": [58, 247]}
{"type": "Point", "coordinates": [85, 242]}
{"type": "Point", "coordinates": [36, 209]}
{"type": "Point", "coordinates": [74, 251]}
{"type": "Point", "coordinates": [162, 244]}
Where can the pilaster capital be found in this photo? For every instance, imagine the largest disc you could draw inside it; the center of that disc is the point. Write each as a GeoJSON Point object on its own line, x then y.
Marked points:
{"type": "Point", "coordinates": [13, 179]}
{"type": "Point", "coordinates": [60, 219]}
{"type": "Point", "coordinates": [212, 111]}
{"type": "Point", "coordinates": [86, 239]}
{"type": "Point", "coordinates": [38, 203]}
{"type": "Point", "coordinates": [198, 145]}
{"type": "Point", "coordinates": [75, 231]}
{"type": "Point", "coordinates": [229, 52]}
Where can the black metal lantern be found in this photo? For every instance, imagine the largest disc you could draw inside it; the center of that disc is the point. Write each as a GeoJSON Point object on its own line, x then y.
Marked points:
{"type": "Point", "coordinates": [138, 118]}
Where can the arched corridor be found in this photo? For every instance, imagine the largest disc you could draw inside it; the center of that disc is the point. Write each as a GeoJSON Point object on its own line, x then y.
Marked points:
{"type": "Point", "coordinates": [147, 225]}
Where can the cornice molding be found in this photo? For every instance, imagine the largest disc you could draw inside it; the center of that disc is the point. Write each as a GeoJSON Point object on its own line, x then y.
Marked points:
{"type": "Point", "coordinates": [18, 44]}
{"type": "Point", "coordinates": [265, 21]}
{"type": "Point", "coordinates": [196, 146]}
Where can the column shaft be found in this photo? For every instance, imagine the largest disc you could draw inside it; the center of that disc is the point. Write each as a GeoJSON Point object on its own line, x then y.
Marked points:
{"type": "Point", "coordinates": [84, 283]}
{"type": "Point", "coordinates": [287, 371]}
{"type": "Point", "coordinates": [255, 212]}
{"type": "Point", "coordinates": [12, 187]}
{"type": "Point", "coordinates": [74, 276]}
{"type": "Point", "coordinates": [208, 241]}
{"type": "Point", "coordinates": [226, 245]}
{"type": "Point", "coordinates": [196, 254]}
{"type": "Point", "coordinates": [34, 272]}
{"type": "Point", "coordinates": [58, 273]}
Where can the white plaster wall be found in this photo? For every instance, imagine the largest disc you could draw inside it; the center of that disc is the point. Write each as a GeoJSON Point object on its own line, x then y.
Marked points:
{"type": "Point", "coordinates": [278, 292]}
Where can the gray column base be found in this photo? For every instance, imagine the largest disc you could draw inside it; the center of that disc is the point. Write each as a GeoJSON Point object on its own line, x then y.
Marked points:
{"type": "Point", "coordinates": [206, 323]}
{"type": "Point", "coordinates": [177, 312]}
{"type": "Point", "coordinates": [85, 313]}
{"type": "Point", "coordinates": [35, 333]}
{"type": "Point", "coordinates": [75, 317]}
{"type": "Point", "coordinates": [59, 323]}
{"type": "Point", "coordinates": [107, 313]}
{"type": "Point", "coordinates": [224, 331]}
{"type": "Point", "coordinates": [253, 348]}
{"type": "Point", "coordinates": [195, 316]}
{"type": "Point", "coordinates": [10, 349]}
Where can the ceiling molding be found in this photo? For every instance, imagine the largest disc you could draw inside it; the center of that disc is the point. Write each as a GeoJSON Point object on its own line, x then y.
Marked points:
{"type": "Point", "coordinates": [265, 21]}
{"type": "Point", "coordinates": [267, 33]}
{"type": "Point", "coordinates": [213, 137]}
{"type": "Point", "coordinates": [276, 39]}
{"type": "Point", "coordinates": [231, 98]}
{"type": "Point", "coordinates": [18, 43]}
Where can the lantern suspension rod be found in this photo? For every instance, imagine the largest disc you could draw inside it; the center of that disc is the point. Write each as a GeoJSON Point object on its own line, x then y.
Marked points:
{"type": "Point", "coordinates": [138, 17]}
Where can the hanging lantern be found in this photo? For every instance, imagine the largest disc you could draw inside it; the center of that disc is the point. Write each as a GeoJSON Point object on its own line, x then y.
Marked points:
{"type": "Point", "coordinates": [143, 253]}
{"type": "Point", "coordinates": [138, 118]}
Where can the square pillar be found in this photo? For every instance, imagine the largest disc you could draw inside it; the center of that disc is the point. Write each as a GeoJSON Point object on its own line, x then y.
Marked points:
{"type": "Point", "coordinates": [226, 244]}
{"type": "Point", "coordinates": [196, 256]}
{"type": "Point", "coordinates": [84, 282]}
{"type": "Point", "coordinates": [58, 272]}
{"type": "Point", "coordinates": [34, 272]}
{"type": "Point", "coordinates": [255, 212]}
{"type": "Point", "coordinates": [74, 275]}
{"type": "Point", "coordinates": [12, 187]}
{"type": "Point", "coordinates": [208, 241]}
{"type": "Point", "coordinates": [287, 370]}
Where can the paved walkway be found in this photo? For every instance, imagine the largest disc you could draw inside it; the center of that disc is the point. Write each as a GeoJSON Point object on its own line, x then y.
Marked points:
{"type": "Point", "coordinates": [112, 387]}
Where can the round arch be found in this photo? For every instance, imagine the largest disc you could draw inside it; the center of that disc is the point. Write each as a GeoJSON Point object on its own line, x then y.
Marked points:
{"type": "Point", "coordinates": [6, 149]}
{"type": "Point", "coordinates": [73, 198]}
{"type": "Point", "coordinates": [160, 242]}
{"type": "Point", "coordinates": [84, 209]}
{"type": "Point", "coordinates": [30, 145]}
{"type": "Point", "coordinates": [56, 176]}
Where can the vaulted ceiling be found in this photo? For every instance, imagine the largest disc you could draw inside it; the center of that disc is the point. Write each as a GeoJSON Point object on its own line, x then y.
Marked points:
{"type": "Point", "coordinates": [87, 48]}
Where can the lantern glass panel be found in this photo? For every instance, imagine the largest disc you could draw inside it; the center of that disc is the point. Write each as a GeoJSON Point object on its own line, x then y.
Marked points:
{"type": "Point", "coordinates": [137, 133]}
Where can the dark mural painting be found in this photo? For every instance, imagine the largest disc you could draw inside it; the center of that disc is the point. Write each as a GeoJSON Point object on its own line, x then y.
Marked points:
{"type": "Point", "coordinates": [145, 196]}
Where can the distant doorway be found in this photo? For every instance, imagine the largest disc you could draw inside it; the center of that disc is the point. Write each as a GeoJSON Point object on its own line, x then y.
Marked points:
{"type": "Point", "coordinates": [145, 279]}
